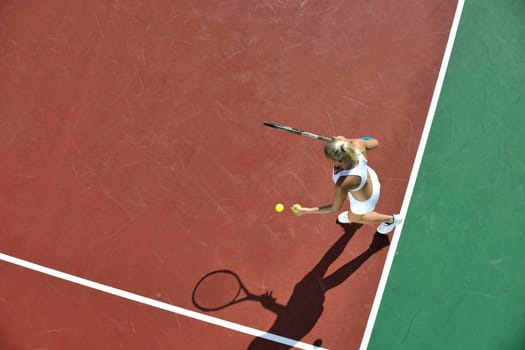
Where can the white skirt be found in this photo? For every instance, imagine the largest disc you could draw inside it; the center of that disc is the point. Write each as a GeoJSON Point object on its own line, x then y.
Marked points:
{"type": "Point", "coordinates": [361, 208]}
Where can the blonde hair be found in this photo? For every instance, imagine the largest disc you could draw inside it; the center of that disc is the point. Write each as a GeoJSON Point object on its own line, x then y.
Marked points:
{"type": "Point", "coordinates": [341, 150]}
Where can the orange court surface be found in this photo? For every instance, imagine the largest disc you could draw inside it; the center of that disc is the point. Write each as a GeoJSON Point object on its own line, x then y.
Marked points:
{"type": "Point", "coordinates": [133, 155]}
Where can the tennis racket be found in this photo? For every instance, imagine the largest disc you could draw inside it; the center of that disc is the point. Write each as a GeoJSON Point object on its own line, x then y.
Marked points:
{"type": "Point", "coordinates": [297, 131]}
{"type": "Point", "coordinates": [219, 289]}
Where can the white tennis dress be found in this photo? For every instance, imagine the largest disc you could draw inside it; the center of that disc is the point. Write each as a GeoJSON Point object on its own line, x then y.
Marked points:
{"type": "Point", "coordinates": [363, 171]}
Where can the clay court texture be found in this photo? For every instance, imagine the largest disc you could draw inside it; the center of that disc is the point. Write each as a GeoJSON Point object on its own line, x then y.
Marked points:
{"type": "Point", "coordinates": [134, 161]}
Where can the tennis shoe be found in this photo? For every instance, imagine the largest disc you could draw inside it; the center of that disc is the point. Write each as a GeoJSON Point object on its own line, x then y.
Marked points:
{"type": "Point", "coordinates": [385, 228]}
{"type": "Point", "coordinates": [343, 218]}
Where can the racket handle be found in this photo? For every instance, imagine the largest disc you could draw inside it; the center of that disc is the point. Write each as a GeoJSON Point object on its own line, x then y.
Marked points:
{"type": "Point", "coordinates": [297, 131]}
{"type": "Point", "coordinates": [324, 138]}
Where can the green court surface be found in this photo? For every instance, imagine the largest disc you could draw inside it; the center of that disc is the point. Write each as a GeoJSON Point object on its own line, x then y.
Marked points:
{"type": "Point", "coordinates": [458, 276]}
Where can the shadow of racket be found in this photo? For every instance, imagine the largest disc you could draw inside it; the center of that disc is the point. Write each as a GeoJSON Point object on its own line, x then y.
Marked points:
{"type": "Point", "coordinates": [219, 289]}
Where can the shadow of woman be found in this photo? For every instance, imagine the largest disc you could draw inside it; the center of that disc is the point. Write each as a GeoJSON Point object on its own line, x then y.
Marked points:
{"type": "Point", "coordinates": [305, 306]}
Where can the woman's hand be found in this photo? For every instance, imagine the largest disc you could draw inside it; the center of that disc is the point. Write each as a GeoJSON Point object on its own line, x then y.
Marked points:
{"type": "Point", "coordinates": [298, 210]}
{"type": "Point", "coordinates": [340, 138]}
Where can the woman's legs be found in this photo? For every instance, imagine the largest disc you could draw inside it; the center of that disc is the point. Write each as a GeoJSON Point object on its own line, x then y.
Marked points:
{"type": "Point", "coordinates": [386, 222]}
{"type": "Point", "coordinates": [370, 218]}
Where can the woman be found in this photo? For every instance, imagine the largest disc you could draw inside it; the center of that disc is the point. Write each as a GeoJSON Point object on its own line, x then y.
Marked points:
{"type": "Point", "coordinates": [355, 180]}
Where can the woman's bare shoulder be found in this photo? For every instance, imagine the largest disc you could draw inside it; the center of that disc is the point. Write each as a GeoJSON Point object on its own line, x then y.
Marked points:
{"type": "Point", "coordinates": [349, 182]}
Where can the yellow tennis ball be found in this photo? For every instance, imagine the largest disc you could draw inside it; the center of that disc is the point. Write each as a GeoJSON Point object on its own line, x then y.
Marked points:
{"type": "Point", "coordinates": [296, 208]}
{"type": "Point", "coordinates": [279, 207]}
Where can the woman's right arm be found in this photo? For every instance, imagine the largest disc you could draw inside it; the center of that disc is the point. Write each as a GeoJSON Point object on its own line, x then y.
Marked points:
{"type": "Point", "coordinates": [365, 143]}
{"type": "Point", "coordinates": [369, 143]}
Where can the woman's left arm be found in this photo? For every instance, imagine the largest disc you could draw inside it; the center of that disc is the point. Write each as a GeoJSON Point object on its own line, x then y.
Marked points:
{"type": "Point", "coordinates": [337, 203]}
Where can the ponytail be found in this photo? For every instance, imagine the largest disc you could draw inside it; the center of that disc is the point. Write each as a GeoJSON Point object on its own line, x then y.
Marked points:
{"type": "Point", "coordinates": [341, 150]}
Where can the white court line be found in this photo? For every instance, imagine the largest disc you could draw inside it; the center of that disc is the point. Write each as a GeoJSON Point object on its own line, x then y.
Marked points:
{"type": "Point", "coordinates": [158, 304]}
{"type": "Point", "coordinates": [413, 176]}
